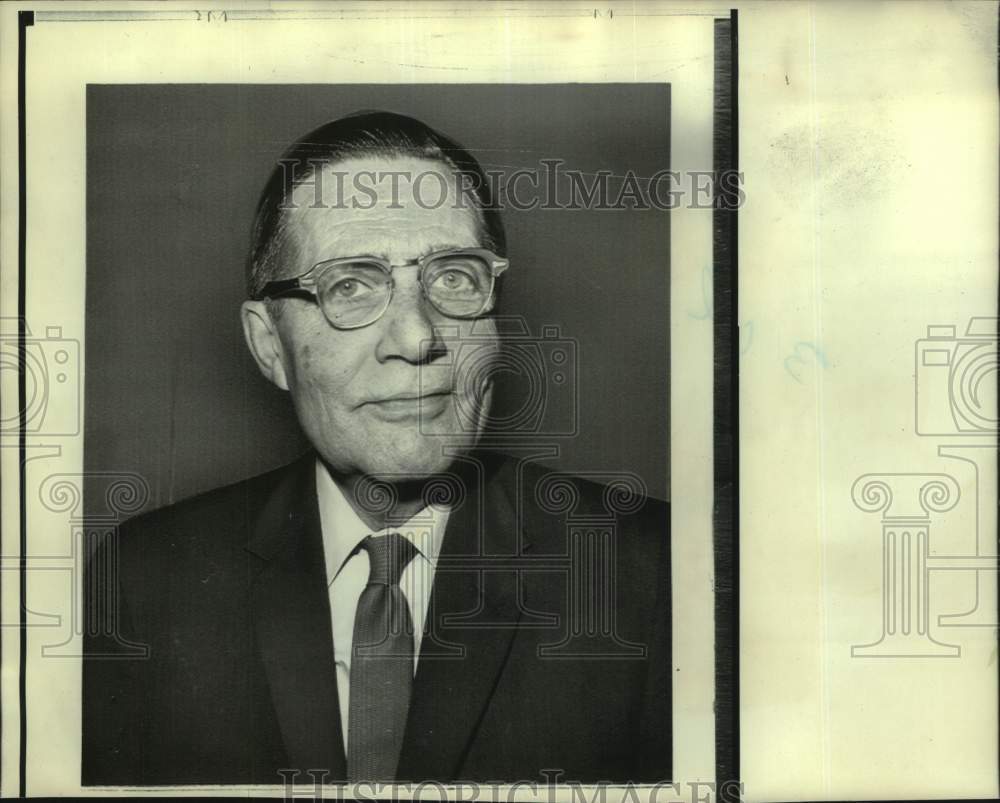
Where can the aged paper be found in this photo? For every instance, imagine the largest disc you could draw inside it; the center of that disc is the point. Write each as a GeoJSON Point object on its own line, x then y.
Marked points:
{"type": "Point", "coordinates": [533, 43]}
{"type": "Point", "coordinates": [868, 307]}
{"type": "Point", "coordinates": [872, 137]}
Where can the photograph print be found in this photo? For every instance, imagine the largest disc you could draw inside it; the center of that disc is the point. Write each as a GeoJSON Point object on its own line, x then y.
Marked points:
{"type": "Point", "coordinates": [389, 367]}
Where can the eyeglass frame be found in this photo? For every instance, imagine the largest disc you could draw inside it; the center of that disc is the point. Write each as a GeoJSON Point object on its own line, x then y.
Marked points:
{"type": "Point", "coordinates": [308, 281]}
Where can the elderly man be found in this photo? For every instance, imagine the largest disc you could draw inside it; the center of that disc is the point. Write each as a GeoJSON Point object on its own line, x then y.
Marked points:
{"type": "Point", "coordinates": [398, 604]}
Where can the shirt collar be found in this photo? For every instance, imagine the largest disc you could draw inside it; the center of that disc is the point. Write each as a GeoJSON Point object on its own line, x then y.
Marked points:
{"type": "Point", "coordinates": [343, 529]}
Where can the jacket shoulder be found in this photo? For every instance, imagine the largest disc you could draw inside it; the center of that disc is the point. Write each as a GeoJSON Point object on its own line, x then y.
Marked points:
{"type": "Point", "coordinates": [218, 510]}
{"type": "Point", "coordinates": [618, 497]}
{"type": "Point", "coordinates": [616, 493]}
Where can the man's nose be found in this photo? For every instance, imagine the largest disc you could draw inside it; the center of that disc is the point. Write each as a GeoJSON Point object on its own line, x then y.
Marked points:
{"type": "Point", "coordinates": [408, 331]}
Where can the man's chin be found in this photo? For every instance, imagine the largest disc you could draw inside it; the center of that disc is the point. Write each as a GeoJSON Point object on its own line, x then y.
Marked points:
{"type": "Point", "coordinates": [414, 460]}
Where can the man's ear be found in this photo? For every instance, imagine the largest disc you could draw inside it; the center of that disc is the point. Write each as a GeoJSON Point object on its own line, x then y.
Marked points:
{"type": "Point", "coordinates": [262, 338]}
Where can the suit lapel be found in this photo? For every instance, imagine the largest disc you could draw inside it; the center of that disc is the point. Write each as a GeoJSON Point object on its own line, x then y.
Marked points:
{"type": "Point", "coordinates": [470, 626]}
{"type": "Point", "coordinates": [292, 620]}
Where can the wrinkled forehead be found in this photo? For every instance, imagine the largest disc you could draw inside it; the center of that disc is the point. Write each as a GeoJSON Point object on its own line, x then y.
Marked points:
{"type": "Point", "coordinates": [397, 208]}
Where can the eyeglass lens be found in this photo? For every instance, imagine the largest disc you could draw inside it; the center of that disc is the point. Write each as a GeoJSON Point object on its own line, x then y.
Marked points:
{"type": "Point", "coordinates": [357, 293]}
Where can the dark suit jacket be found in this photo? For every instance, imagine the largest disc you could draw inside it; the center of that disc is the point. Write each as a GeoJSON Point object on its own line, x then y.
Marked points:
{"type": "Point", "coordinates": [226, 593]}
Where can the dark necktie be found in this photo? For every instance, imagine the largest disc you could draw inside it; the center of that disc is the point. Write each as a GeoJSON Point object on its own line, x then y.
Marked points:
{"type": "Point", "coordinates": [381, 663]}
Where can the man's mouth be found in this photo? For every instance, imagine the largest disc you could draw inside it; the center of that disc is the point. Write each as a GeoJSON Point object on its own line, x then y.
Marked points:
{"type": "Point", "coordinates": [424, 406]}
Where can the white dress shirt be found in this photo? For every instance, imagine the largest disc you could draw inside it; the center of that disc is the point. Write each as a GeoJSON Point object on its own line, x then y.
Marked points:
{"type": "Point", "coordinates": [347, 574]}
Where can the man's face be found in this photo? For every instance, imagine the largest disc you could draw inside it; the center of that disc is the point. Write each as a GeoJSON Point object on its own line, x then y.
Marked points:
{"type": "Point", "coordinates": [386, 398]}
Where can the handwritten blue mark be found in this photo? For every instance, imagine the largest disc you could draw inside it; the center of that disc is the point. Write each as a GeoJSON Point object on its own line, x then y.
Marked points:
{"type": "Point", "coordinates": [801, 355]}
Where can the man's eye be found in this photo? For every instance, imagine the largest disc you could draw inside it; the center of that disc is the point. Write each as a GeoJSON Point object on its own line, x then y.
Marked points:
{"type": "Point", "coordinates": [349, 288]}
{"type": "Point", "coordinates": [455, 281]}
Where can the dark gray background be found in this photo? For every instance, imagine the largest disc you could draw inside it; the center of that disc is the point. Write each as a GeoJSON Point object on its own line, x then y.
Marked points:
{"type": "Point", "coordinates": [173, 177]}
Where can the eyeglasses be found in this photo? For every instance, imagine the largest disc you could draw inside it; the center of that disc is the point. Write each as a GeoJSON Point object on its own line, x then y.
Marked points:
{"type": "Point", "coordinates": [356, 291]}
